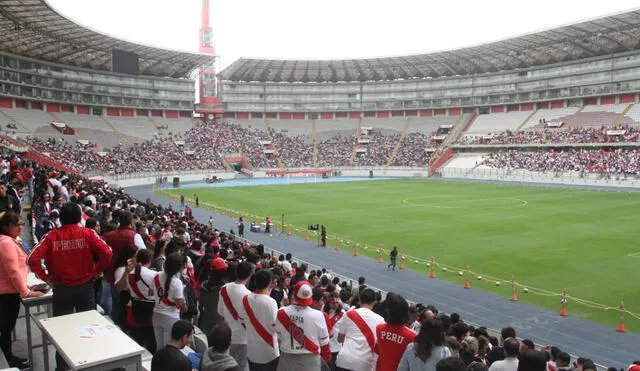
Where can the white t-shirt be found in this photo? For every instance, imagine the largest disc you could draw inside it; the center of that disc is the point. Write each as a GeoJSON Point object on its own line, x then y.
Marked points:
{"type": "Point", "coordinates": [356, 353]}
{"type": "Point", "coordinates": [139, 242]}
{"type": "Point", "coordinates": [236, 292]}
{"type": "Point", "coordinates": [146, 275]}
{"type": "Point", "coordinates": [265, 309]}
{"type": "Point", "coordinates": [333, 340]}
{"type": "Point", "coordinates": [176, 291]}
{"type": "Point", "coordinates": [508, 364]}
{"type": "Point", "coordinates": [312, 324]}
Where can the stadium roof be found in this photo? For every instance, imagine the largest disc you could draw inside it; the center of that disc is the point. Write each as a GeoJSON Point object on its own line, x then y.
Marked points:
{"type": "Point", "coordinates": [592, 38]}
{"type": "Point", "coordinates": [32, 28]}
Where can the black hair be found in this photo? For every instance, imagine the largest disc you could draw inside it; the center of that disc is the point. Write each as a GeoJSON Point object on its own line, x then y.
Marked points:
{"type": "Point", "coordinates": [124, 255]}
{"type": "Point", "coordinates": [367, 296]}
{"type": "Point", "coordinates": [459, 330]}
{"type": "Point", "coordinates": [91, 223]}
{"type": "Point", "coordinates": [125, 218]}
{"type": "Point", "coordinates": [507, 332]}
{"type": "Point", "coordinates": [317, 294]}
{"type": "Point", "coordinates": [159, 248]}
{"type": "Point", "coordinates": [180, 329]}
{"type": "Point", "coordinates": [219, 338]}
{"type": "Point", "coordinates": [176, 245]}
{"type": "Point", "coordinates": [243, 271]}
{"type": "Point", "coordinates": [397, 309]}
{"type": "Point", "coordinates": [70, 213]}
{"type": "Point", "coordinates": [430, 336]}
{"type": "Point", "coordinates": [172, 266]}
{"type": "Point", "coordinates": [532, 360]}
{"type": "Point", "coordinates": [451, 364]}
{"type": "Point", "coordinates": [262, 279]}
{"type": "Point", "coordinates": [143, 256]}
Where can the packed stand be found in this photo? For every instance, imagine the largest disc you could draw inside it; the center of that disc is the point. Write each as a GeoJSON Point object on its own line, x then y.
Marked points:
{"type": "Point", "coordinates": [221, 138]}
{"type": "Point", "coordinates": [572, 135]}
{"type": "Point", "coordinates": [154, 155]}
{"type": "Point", "coordinates": [619, 162]}
{"type": "Point", "coordinates": [379, 149]}
{"type": "Point", "coordinates": [413, 150]}
{"type": "Point", "coordinates": [335, 151]}
{"type": "Point", "coordinates": [294, 151]}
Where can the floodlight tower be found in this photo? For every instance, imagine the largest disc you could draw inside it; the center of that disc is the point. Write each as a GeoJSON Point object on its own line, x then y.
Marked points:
{"type": "Point", "coordinates": [208, 104]}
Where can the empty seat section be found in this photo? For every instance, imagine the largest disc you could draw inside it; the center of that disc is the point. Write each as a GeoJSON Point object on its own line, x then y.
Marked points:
{"type": "Point", "coordinates": [465, 161]}
{"type": "Point", "coordinates": [498, 122]}
{"type": "Point", "coordinates": [549, 115]}
{"type": "Point", "coordinates": [291, 127]}
{"type": "Point", "coordinates": [597, 115]}
{"type": "Point", "coordinates": [30, 119]}
{"type": "Point", "coordinates": [176, 126]}
{"type": "Point", "coordinates": [137, 128]}
{"type": "Point", "coordinates": [632, 116]}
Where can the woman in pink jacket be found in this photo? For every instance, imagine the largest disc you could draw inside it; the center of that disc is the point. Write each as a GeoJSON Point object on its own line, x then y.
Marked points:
{"type": "Point", "coordinates": [13, 283]}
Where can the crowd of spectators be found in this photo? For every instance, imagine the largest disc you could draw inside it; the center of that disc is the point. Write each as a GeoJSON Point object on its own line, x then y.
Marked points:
{"type": "Point", "coordinates": [619, 162]}
{"type": "Point", "coordinates": [379, 149]}
{"type": "Point", "coordinates": [294, 151]}
{"type": "Point", "coordinates": [335, 151]}
{"type": "Point", "coordinates": [546, 136]}
{"type": "Point", "coordinates": [259, 311]}
{"type": "Point", "coordinates": [204, 146]}
{"type": "Point", "coordinates": [413, 150]}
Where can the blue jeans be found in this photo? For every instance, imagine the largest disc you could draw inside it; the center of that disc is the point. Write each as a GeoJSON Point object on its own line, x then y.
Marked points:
{"type": "Point", "coordinates": [106, 301]}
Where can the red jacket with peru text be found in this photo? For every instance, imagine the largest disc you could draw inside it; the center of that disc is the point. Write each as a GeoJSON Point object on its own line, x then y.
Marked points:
{"type": "Point", "coordinates": [73, 255]}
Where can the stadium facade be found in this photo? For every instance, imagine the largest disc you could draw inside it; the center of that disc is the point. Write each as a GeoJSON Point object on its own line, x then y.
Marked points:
{"type": "Point", "coordinates": [587, 63]}
{"type": "Point", "coordinates": [50, 63]}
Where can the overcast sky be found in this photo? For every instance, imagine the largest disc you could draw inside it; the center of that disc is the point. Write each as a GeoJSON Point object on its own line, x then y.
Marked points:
{"type": "Point", "coordinates": [329, 29]}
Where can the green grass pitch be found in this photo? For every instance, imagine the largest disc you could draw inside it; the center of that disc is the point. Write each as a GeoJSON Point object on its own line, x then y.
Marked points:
{"type": "Point", "coordinates": [548, 238]}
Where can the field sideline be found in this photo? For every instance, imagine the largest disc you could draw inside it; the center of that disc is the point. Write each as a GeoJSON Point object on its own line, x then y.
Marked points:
{"type": "Point", "coordinates": [549, 238]}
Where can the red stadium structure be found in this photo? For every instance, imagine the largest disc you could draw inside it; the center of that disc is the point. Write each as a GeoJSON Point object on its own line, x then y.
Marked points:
{"type": "Point", "coordinates": [208, 104]}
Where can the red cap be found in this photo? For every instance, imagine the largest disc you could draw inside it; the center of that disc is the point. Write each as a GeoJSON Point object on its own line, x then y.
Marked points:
{"type": "Point", "coordinates": [303, 293]}
{"type": "Point", "coordinates": [218, 264]}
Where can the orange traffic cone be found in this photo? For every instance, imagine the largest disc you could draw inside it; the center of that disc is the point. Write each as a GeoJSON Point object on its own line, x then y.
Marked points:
{"type": "Point", "coordinates": [514, 297]}
{"type": "Point", "coordinates": [289, 233]}
{"type": "Point", "coordinates": [564, 311]}
{"type": "Point", "coordinates": [380, 259]}
{"type": "Point", "coordinates": [467, 284]}
{"type": "Point", "coordinates": [337, 246]}
{"type": "Point", "coordinates": [355, 251]}
{"type": "Point", "coordinates": [306, 237]}
{"type": "Point", "coordinates": [401, 267]}
{"type": "Point", "coordinates": [621, 327]}
{"type": "Point", "coordinates": [432, 273]}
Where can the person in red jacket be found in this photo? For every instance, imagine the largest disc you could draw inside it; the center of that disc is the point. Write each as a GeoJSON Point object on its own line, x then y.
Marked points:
{"type": "Point", "coordinates": [74, 255]}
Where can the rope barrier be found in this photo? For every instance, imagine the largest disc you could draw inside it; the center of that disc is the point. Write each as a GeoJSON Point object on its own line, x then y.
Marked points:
{"type": "Point", "coordinates": [432, 265]}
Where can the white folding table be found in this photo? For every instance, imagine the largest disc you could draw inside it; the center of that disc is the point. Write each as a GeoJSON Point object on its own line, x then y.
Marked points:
{"type": "Point", "coordinates": [88, 341]}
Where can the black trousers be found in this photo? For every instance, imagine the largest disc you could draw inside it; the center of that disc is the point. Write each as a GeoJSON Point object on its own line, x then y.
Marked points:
{"type": "Point", "coordinates": [70, 299]}
{"type": "Point", "coordinates": [145, 337]}
{"type": "Point", "coordinates": [9, 309]}
{"type": "Point", "coordinates": [271, 366]}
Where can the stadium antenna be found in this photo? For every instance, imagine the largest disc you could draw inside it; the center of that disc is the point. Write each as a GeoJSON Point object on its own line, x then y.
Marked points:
{"type": "Point", "coordinates": [208, 105]}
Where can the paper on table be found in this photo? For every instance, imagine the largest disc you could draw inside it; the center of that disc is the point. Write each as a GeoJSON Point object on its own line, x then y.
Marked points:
{"type": "Point", "coordinates": [91, 331]}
